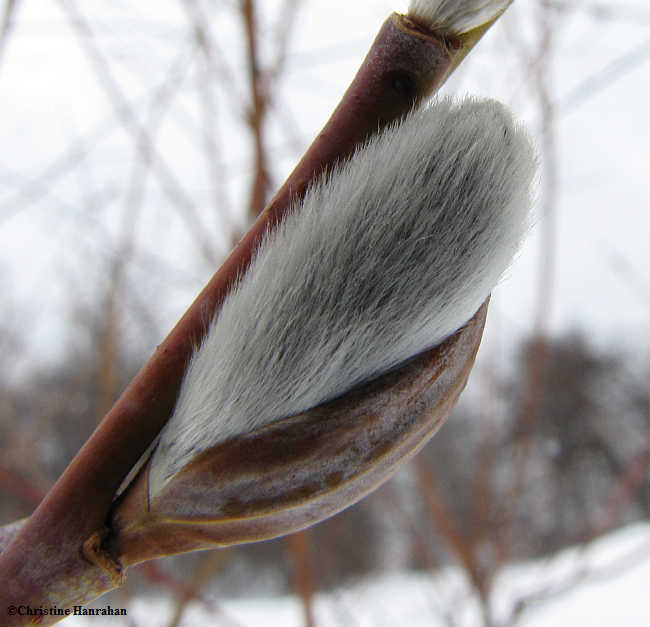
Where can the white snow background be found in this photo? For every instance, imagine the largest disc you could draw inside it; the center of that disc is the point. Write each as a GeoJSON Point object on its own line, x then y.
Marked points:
{"type": "Point", "coordinates": [606, 584]}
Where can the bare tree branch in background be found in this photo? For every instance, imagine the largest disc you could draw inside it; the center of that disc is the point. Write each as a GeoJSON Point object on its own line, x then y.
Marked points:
{"type": "Point", "coordinates": [299, 547]}
{"type": "Point", "coordinates": [143, 140]}
{"type": "Point", "coordinates": [257, 110]}
{"type": "Point", "coordinates": [7, 22]}
{"type": "Point", "coordinates": [541, 64]}
{"type": "Point", "coordinates": [262, 83]}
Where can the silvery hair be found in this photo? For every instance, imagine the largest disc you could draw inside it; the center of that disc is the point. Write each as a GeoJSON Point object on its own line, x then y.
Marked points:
{"type": "Point", "coordinates": [456, 16]}
{"type": "Point", "coordinates": [388, 254]}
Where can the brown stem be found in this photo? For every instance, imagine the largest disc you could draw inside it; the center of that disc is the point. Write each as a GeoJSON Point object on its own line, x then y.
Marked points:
{"type": "Point", "coordinates": [403, 66]}
{"type": "Point", "coordinates": [299, 545]}
{"type": "Point", "coordinates": [59, 543]}
{"type": "Point", "coordinates": [257, 113]}
{"type": "Point", "coordinates": [443, 519]}
{"type": "Point", "coordinates": [536, 366]}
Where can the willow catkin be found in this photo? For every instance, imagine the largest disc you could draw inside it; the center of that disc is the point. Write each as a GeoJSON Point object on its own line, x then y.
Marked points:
{"type": "Point", "coordinates": [386, 256]}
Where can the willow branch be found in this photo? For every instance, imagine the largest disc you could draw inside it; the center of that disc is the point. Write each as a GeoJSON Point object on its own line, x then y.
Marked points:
{"type": "Point", "coordinates": [55, 547]}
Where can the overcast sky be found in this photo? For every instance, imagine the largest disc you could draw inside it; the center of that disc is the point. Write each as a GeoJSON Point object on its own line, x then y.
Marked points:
{"type": "Point", "coordinates": [67, 162]}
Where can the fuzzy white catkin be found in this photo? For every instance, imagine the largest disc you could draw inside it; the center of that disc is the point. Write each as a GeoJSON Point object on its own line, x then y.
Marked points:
{"type": "Point", "coordinates": [387, 256]}
{"type": "Point", "coordinates": [456, 16]}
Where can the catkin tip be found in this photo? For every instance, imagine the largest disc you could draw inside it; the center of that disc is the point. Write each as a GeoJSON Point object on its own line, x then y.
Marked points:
{"type": "Point", "coordinates": [455, 16]}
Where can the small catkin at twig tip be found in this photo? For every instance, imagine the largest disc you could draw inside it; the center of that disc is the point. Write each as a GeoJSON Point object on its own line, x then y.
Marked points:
{"type": "Point", "coordinates": [455, 16]}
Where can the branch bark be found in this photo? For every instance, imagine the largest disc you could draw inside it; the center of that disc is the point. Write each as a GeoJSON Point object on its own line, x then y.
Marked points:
{"type": "Point", "coordinates": [64, 553]}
